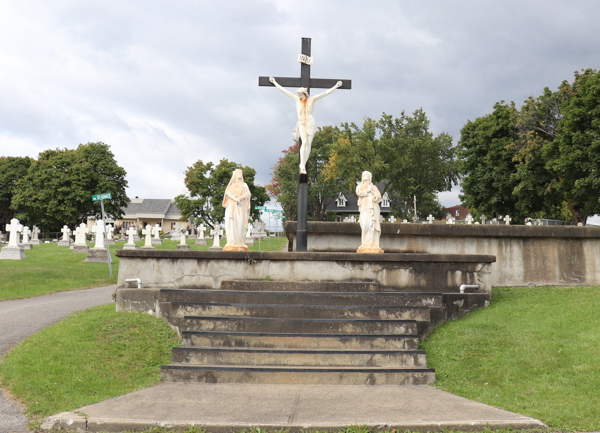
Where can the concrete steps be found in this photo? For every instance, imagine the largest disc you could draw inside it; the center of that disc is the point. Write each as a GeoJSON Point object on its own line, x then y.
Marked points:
{"type": "Point", "coordinates": [313, 333]}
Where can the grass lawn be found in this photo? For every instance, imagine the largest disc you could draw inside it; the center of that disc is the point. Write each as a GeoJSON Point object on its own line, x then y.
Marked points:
{"type": "Point", "coordinates": [88, 357]}
{"type": "Point", "coordinates": [535, 351]}
{"type": "Point", "coordinates": [49, 268]}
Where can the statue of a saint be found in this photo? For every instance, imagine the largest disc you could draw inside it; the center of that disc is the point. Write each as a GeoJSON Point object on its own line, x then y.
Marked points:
{"type": "Point", "coordinates": [306, 126]}
{"type": "Point", "coordinates": [237, 210]}
{"type": "Point", "coordinates": [368, 204]}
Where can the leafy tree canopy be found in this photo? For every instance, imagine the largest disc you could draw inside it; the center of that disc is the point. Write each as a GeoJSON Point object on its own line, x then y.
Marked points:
{"type": "Point", "coordinates": [206, 184]}
{"type": "Point", "coordinates": [58, 187]}
{"type": "Point", "coordinates": [400, 152]}
{"type": "Point", "coordinates": [12, 170]}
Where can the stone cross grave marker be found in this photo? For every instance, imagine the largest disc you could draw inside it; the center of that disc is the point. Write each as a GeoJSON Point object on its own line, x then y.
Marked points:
{"type": "Point", "coordinates": [483, 218]}
{"type": "Point", "coordinates": [450, 220]}
{"type": "Point", "coordinates": [35, 233]}
{"type": "Point", "coordinates": [182, 239]}
{"type": "Point", "coordinates": [352, 219]}
{"type": "Point", "coordinates": [98, 230]}
{"type": "Point", "coordinates": [201, 230]}
{"type": "Point", "coordinates": [507, 220]}
{"type": "Point", "coordinates": [131, 235]}
{"type": "Point", "coordinates": [392, 219]}
{"type": "Point", "coordinates": [80, 234]}
{"type": "Point", "coordinates": [25, 234]}
{"type": "Point", "coordinates": [156, 231]}
{"type": "Point", "coordinates": [66, 231]}
{"type": "Point", "coordinates": [215, 234]}
{"type": "Point", "coordinates": [430, 219]}
{"type": "Point", "coordinates": [469, 219]}
{"type": "Point", "coordinates": [147, 232]}
{"type": "Point", "coordinates": [305, 81]}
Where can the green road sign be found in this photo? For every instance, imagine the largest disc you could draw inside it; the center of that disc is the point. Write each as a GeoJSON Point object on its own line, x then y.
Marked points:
{"type": "Point", "coordinates": [259, 207]}
{"type": "Point", "coordinates": [105, 196]}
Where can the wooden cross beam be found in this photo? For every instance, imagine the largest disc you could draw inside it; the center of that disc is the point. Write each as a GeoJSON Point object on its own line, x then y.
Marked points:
{"type": "Point", "coordinates": [305, 80]}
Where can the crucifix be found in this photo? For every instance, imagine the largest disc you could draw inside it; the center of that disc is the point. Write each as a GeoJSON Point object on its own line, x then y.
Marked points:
{"type": "Point", "coordinates": [306, 125]}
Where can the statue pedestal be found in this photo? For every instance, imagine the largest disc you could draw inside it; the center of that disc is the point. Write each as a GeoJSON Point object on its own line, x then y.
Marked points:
{"type": "Point", "coordinates": [12, 253]}
{"type": "Point", "coordinates": [80, 248]}
{"type": "Point", "coordinates": [215, 248]}
{"type": "Point", "coordinates": [97, 255]}
{"type": "Point", "coordinates": [369, 250]}
{"type": "Point", "coordinates": [201, 241]}
{"type": "Point", "coordinates": [182, 247]}
{"type": "Point", "coordinates": [235, 248]}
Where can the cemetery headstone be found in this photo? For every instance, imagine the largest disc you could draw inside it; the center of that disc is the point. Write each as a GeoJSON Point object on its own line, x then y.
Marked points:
{"type": "Point", "coordinates": [450, 220]}
{"type": "Point", "coordinates": [66, 240]}
{"type": "Point", "coordinates": [13, 251]}
{"type": "Point", "coordinates": [392, 219]}
{"type": "Point", "coordinates": [259, 231]}
{"type": "Point", "coordinates": [131, 232]}
{"type": "Point", "coordinates": [216, 232]}
{"type": "Point", "coordinates": [25, 244]}
{"type": "Point", "coordinates": [98, 254]}
{"type": "Point", "coordinates": [507, 220]}
{"type": "Point", "coordinates": [405, 221]}
{"type": "Point", "coordinates": [482, 218]}
{"type": "Point", "coordinates": [35, 235]}
{"type": "Point", "coordinates": [183, 246]}
{"type": "Point", "coordinates": [430, 219]}
{"type": "Point", "coordinates": [147, 232]}
{"type": "Point", "coordinates": [200, 239]}
{"type": "Point", "coordinates": [110, 232]}
{"type": "Point", "coordinates": [156, 240]}
{"type": "Point", "coordinates": [249, 240]}
{"type": "Point", "coordinates": [80, 245]}
{"type": "Point", "coordinates": [469, 219]}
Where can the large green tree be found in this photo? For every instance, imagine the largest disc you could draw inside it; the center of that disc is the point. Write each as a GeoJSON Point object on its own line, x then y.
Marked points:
{"type": "Point", "coordinates": [12, 170]}
{"type": "Point", "coordinates": [321, 191]}
{"type": "Point", "coordinates": [402, 154]}
{"type": "Point", "coordinates": [206, 184]}
{"type": "Point", "coordinates": [59, 185]}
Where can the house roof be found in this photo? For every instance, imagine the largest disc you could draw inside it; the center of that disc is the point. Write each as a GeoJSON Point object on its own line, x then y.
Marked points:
{"type": "Point", "coordinates": [352, 203]}
{"type": "Point", "coordinates": [156, 208]}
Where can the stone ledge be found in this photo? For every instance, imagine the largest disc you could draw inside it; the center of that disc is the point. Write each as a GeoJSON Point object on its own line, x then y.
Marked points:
{"type": "Point", "coordinates": [310, 256]}
{"type": "Point", "coordinates": [453, 230]}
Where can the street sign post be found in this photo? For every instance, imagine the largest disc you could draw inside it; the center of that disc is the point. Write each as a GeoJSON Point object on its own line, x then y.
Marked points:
{"type": "Point", "coordinates": [101, 198]}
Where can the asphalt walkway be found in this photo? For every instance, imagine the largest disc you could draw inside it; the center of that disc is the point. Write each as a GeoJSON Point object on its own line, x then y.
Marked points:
{"type": "Point", "coordinates": [232, 407]}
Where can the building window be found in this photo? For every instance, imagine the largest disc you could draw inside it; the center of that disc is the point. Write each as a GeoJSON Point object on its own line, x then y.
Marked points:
{"type": "Point", "coordinates": [457, 212]}
{"type": "Point", "coordinates": [385, 200]}
{"type": "Point", "coordinates": [341, 200]}
{"type": "Point", "coordinates": [173, 226]}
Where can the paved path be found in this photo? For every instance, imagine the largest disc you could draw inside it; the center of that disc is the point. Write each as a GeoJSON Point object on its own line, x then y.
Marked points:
{"type": "Point", "coordinates": [23, 317]}
{"type": "Point", "coordinates": [221, 408]}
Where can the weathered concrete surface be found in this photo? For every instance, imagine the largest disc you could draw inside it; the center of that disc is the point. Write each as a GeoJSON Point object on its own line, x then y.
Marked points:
{"type": "Point", "coordinates": [12, 253]}
{"type": "Point", "coordinates": [97, 255]}
{"type": "Point", "coordinates": [194, 269]}
{"type": "Point", "coordinates": [233, 407]}
{"type": "Point", "coordinates": [525, 255]}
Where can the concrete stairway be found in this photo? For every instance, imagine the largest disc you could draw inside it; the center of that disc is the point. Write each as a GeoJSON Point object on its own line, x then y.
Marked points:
{"type": "Point", "coordinates": [300, 333]}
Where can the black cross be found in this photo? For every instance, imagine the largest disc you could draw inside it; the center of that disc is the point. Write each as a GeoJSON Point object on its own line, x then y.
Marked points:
{"type": "Point", "coordinates": [305, 80]}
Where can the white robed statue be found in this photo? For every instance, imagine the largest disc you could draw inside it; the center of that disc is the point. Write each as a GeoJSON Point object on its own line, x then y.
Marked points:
{"type": "Point", "coordinates": [369, 198]}
{"type": "Point", "coordinates": [237, 210]}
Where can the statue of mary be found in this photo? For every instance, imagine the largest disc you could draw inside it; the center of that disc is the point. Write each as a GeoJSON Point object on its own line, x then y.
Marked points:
{"type": "Point", "coordinates": [237, 210]}
{"type": "Point", "coordinates": [368, 204]}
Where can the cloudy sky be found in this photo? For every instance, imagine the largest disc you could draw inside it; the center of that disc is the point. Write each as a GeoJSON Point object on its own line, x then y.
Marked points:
{"type": "Point", "coordinates": [168, 83]}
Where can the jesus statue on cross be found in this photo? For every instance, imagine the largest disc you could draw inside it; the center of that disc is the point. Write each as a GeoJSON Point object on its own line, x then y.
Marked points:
{"type": "Point", "coordinates": [306, 127]}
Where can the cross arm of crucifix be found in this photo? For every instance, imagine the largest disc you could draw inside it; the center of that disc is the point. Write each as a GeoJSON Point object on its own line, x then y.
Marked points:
{"type": "Point", "coordinates": [276, 84]}
{"type": "Point", "coordinates": [329, 91]}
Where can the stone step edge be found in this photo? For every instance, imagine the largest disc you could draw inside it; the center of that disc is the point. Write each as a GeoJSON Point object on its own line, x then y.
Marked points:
{"type": "Point", "coordinates": [276, 319]}
{"type": "Point", "coordinates": [345, 307]}
{"type": "Point", "coordinates": [279, 334]}
{"type": "Point", "coordinates": [283, 292]}
{"type": "Point", "coordinates": [300, 369]}
{"type": "Point", "coordinates": [299, 351]}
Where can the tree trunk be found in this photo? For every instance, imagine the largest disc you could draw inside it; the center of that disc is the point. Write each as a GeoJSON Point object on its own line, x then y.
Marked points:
{"type": "Point", "coordinates": [576, 213]}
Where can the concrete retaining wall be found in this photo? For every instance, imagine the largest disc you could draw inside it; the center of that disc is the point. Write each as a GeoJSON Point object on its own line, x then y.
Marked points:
{"type": "Point", "coordinates": [525, 255]}
{"type": "Point", "coordinates": [207, 269]}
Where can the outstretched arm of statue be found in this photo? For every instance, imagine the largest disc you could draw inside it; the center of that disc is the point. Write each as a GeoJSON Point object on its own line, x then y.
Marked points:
{"type": "Point", "coordinates": [288, 93]}
{"type": "Point", "coordinates": [328, 91]}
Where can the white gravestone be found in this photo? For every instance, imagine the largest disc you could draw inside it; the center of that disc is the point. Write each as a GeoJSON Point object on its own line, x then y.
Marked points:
{"type": "Point", "coordinates": [80, 245]}
{"type": "Point", "coordinates": [13, 251]}
{"type": "Point", "coordinates": [183, 246]}
{"type": "Point", "coordinates": [507, 220]}
{"type": "Point", "coordinates": [249, 240]}
{"type": "Point", "coordinates": [156, 240]}
{"type": "Point", "coordinates": [352, 219]}
{"type": "Point", "coordinates": [450, 220]}
{"type": "Point", "coordinates": [147, 232]}
{"type": "Point", "coordinates": [110, 231]}
{"type": "Point", "coordinates": [26, 244]}
{"type": "Point", "coordinates": [131, 232]}
{"type": "Point", "coordinates": [66, 240]}
{"type": "Point", "coordinates": [98, 254]}
{"type": "Point", "coordinates": [494, 221]}
{"type": "Point", "coordinates": [216, 246]}
{"type": "Point", "coordinates": [469, 219]}
{"type": "Point", "coordinates": [482, 218]}
{"type": "Point", "coordinates": [430, 219]}
{"type": "Point", "coordinates": [404, 221]}
{"type": "Point", "coordinates": [200, 239]}
{"type": "Point", "coordinates": [35, 232]}
{"type": "Point", "coordinates": [392, 219]}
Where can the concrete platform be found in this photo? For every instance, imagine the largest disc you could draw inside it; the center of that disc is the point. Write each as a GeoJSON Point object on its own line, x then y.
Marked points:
{"type": "Point", "coordinates": [232, 407]}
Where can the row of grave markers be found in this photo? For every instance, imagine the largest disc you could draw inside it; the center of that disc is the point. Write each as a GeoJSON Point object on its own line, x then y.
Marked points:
{"type": "Point", "coordinates": [449, 220]}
